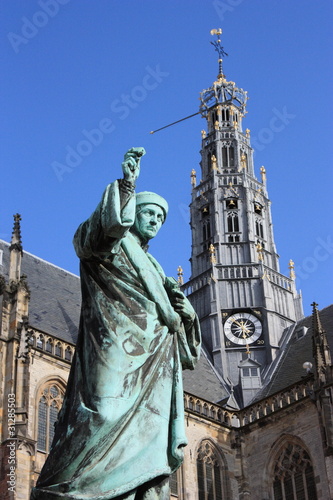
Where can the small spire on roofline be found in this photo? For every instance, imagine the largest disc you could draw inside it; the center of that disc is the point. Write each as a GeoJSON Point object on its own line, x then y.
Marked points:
{"type": "Point", "coordinates": [16, 251]}
{"type": "Point", "coordinates": [16, 241]}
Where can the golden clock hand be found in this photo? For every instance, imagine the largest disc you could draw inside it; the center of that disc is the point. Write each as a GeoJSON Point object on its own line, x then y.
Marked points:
{"type": "Point", "coordinates": [237, 323]}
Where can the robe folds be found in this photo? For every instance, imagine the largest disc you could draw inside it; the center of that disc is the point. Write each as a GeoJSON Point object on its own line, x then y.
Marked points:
{"type": "Point", "coordinates": [122, 420]}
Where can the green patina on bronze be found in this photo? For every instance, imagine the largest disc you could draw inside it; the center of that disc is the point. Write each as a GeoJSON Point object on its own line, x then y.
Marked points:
{"type": "Point", "coordinates": [122, 422]}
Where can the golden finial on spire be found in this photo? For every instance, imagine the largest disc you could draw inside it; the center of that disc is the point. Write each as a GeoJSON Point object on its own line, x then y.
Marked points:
{"type": "Point", "coordinates": [260, 251]}
{"type": "Point", "coordinates": [263, 174]}
{"type": "Point", "coordinates": [247, 132]}
{"type": "Point", "coordinates": [180, 274]}
{"type": "Point", "coordinates": [193, 178]}
{"type": "Point", "coordinates": [291, 267]}
{"type": "Point", "coordinates": [212, 253]}
{"type": "Point", "coordinates": [203, 134]}
{"type": "Point", "coordinates": [214, 162]}
{"type": "Point", "coordinates": [243, 161]}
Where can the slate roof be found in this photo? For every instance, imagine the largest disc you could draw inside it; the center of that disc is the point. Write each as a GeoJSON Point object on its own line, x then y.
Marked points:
{"type": "Point", "coordinates": [204, 381]}
{"type": "Point", "coordinates": [55, 299]}
{"type": "Point", "coordinates": [288, 367]}
{"type": "Point", "coordinates": [55, 309]}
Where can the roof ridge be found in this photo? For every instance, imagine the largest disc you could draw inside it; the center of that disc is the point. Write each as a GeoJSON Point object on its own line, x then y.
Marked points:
{"type": "Point", "coordinates": [43, 260]}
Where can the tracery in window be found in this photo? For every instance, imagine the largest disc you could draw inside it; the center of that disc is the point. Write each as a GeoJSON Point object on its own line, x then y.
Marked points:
{"type": "Point", "coordinates": [232, 222]}
{"type": "Point", "coordinates": [48, 408]}
{"type": "Point", "coordinates": [210, 474]}
{"type": "Point", "coordinates": [293, 475]}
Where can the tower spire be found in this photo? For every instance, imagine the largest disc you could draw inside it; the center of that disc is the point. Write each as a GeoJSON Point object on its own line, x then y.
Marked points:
{"type": "Point", "coordinates": [219, 49]}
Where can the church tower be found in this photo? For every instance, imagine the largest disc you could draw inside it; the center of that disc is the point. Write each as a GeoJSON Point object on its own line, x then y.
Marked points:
{"type": "Point", "coordinates": [243, 301]}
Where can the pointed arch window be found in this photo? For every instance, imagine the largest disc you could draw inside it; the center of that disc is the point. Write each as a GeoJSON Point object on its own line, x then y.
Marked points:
{"type": "Point", "coordinates": [232, 222]}
{"type": "Point", "coordinates": [225, 114]}
{"type": "Point", "coordinates": [206, 232]}
{"type": "Point", "coordinates": [211, 482]}
{"type": "Point", "coordinates": [58, 350]}
{"type": "Point", "coordinates": [259, 228]}
{"type": "Point", "coordinates": [49, 346]}
{"type": "Point", "coordinates": [49, 405]}
{"type": "Point", "coordinates": [68, 354]}
{"type": "Point", "coordinates": [293, 475]}
{"type": "Point", "coordinates": [228, 156]}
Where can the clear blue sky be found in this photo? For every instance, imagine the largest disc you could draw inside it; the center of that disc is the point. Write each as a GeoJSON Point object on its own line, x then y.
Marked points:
{"type": "Point", "coordinates": [128, 67]}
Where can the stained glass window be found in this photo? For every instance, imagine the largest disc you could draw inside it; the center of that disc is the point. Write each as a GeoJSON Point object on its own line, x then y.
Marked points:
{"type": "Point", "coordinates": [48, 408]}
{"type": "Point", "coordinates": [293, 475]}
{"type": "Point", "coordinates": [210, 474]}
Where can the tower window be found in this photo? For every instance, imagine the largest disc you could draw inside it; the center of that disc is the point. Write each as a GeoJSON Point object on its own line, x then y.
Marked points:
{"type": "Point", "coordinates": [228, 156]}
{"type": "Point", "coordinates": [206, 233]}
{"type": "Point", "coordinates": [259, 228]}
{"type": "Point", "coordinates": [232, 222]}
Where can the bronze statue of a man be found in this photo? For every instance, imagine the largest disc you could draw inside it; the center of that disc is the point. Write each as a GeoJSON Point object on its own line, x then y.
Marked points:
{"type": "Point", "coordinates": [120, 432]}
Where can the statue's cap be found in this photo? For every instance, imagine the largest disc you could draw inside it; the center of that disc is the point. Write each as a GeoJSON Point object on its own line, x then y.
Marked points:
{"type": "Point", "coordinates": [146, 198]}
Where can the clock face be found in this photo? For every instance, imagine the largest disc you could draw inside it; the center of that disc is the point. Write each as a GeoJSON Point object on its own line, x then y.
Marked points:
{"type": "Point", "coordinates": [242, 328]}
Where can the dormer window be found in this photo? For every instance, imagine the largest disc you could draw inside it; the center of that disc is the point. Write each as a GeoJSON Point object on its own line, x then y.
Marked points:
{"type": "Point", "coordinates": [250, 372]}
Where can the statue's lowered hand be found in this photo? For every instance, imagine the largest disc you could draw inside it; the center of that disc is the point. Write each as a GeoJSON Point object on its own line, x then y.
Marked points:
{"type": "Point", "coordinates": [179, 301]}
{"type": "Point", "coordinates": [131, 164]}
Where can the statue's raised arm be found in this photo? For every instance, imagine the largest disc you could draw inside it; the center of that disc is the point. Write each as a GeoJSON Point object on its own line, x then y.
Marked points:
{"type": "Point", "coordinates": [131, 164]}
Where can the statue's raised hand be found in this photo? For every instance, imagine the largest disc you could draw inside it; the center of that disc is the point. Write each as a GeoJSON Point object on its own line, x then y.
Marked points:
{"type": "Point", "coordinates": [131, 164]}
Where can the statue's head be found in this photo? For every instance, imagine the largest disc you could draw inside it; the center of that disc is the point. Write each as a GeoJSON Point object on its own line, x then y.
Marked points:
{"type": "Point", "coordinates": [151, 212]}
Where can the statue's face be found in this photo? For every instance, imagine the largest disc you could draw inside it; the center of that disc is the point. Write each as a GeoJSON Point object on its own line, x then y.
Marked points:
{"type": "Point", "coordinates": [148, 221]}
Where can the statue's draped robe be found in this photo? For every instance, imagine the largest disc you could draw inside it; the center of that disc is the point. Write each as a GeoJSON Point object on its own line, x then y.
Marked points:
{"type": "Point", "coordinates": [122, 421]}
